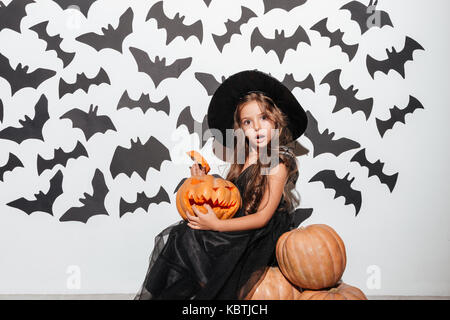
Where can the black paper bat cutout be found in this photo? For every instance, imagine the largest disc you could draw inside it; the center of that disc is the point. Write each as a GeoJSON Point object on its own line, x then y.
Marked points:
{"type": "Point", "coordinates": [174, 26]}
{"type": "Point", "coordinates": [142, 201]}
{"type": "Point", "coordinates": [53, 43]}
{"type": "Point", "coordinates": [192, 125]}
{"type": "Point", "coordinates": [336, 38]}
{"type": "Point", "coordinates": [233, 27]}
{"type": "Point", "coordinates": [110, 37]}
{"type": "Point", "coordinates": [395, 61]}
{"type": "Point", "coordinates": [90, 123]}
{"type": "Point", "coordinates": [139, 158]}
{"type": "Point", "coordinates": [291, 83]}
{"type": "Point", "coordinates": [82, 5]}
{"type": "Point", "coordinates": [280, 44]}
{"type": "Point", "coordinates": [12, 14]}
{"type": "Point", "coordinates": [299, 215]}
{"type": "Point", "coordinates": [286, 5]}
{"type": "Point", "coordinates": [208, 81]}
{"type": "Point", "coordinates": [398, 115]}
{"type": "Point", "coordinates": [144, 103]}
{"type": "Point", "coordinates": [43, 201]}
{"type": "Point", "coordinates": [342, 187]}
{"type": "Point", "coordinates": [93, 205]}
{"type": "Point", "coordinates": [19, 77]}
{"type": "Point", "coordinates": [30, 128]}
{"type": "Point", "coordinates": [346, 98]}
{"type": "Point", "coordinates": [366, 16]}
{"type": "Point", "coordinates": [60, 157]}
{"type": "Point", "coordinates": [83, 82]}
{"type": "Point", "coordinates": [12, 163]}
{"type": "Point", "coordinates": [323, 142]}
{"type": "Point", "coordinates": [375, 169]}
{"type": "Point", "coordinates": [158, 71]}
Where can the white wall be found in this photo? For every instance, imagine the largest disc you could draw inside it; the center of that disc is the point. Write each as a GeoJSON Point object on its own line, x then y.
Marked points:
{"type": "Point", "coordinates": [404, 234]}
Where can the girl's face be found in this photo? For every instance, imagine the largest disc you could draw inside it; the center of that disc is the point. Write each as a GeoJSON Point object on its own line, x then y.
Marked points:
{"type": "Point", "coordinates": [256, 124]}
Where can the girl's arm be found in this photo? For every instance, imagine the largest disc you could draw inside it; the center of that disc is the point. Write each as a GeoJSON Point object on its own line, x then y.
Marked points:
{"type": "Point", "coordinates": [276, 180]}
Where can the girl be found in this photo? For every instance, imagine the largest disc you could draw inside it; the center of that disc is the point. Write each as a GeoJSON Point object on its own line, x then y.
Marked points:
{"type": "Point", "coordinates": [208, 258]}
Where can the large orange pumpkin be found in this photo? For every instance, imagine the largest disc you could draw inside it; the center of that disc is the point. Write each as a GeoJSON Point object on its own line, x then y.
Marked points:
{"type": "Point", "coordinates": [313, 257]}
{"type": "Point", "coordinates": [221, 195]}
{"type": "Point", "coordinates": [274, 286]}
{"type": "Point", "coordinates": [342, 291]}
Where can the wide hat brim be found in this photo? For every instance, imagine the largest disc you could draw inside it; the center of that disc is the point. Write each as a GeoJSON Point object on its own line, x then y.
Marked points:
{"type": "Point", "coordinates": [227, 96]}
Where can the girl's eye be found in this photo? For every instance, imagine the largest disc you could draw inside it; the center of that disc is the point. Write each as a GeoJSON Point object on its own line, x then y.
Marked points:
{"type": "Point", "coordinates": [264, 117]}
{"type": "Point", "coordinates": [245, 122]}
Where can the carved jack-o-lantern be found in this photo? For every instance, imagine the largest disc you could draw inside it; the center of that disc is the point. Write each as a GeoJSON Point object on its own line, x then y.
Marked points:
{"type": "Point", "coordinates": [221, 195]}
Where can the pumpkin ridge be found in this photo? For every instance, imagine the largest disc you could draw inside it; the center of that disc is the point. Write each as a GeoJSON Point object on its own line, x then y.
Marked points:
{"type": "Point", "coordinates": [330, 258]}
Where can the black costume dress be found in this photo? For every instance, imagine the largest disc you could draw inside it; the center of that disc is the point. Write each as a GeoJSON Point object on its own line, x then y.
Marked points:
{"type": "Point", "coordinates": [204, 264]}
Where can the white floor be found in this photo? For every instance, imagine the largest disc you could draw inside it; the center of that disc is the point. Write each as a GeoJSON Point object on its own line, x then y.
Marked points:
{"type": "Point", "coordinates": [131, 296]}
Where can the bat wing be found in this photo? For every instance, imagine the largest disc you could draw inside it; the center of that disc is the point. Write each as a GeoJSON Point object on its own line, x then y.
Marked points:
{"type": "Point", "coordinates": [208, 82]}
{"type": "Point", "coordinates": [358, 13]}
{"type": "Point", "coordinates": [191, 124]}
{"type": "Point", "coordinates": [143, 201]}
{"type": "Point", "coordinates": [12, 163]}
{"type": "Point", "coordinates": [286, 5]}
{"type": "Point", "coordinates": [60, 157]}
{"type": "Point", "coordinates": [11, 15]}
{"type": "Point", "coordinates": [83, 5]}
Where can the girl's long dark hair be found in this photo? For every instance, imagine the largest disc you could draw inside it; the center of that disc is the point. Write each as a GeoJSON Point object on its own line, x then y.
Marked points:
{"type": "Point", "coordinates": [254, 191]}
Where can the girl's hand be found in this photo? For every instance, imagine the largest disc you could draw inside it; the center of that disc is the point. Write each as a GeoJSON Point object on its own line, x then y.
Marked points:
{"type": "Point", "coordinates": [196, 171]}
{"type": "Point", "coordinates": [203, 221]}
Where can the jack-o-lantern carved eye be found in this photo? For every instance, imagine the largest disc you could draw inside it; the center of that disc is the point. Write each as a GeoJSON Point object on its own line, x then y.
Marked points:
{"type": "Point", "coordinates": [222, 195]}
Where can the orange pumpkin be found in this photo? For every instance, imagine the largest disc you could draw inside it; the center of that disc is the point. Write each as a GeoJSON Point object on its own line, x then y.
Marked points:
{"type": "Point", "coordinates": [274, 286]}
{"type": "Point", "coordinates": [221, 195]}
{"type": "Point", "coordinates": [342, 291]}
{"type": "Point", "coordinates": [313, 257]}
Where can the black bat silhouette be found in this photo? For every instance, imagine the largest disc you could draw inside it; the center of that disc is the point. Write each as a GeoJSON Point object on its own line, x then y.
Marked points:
{"type": "Point", "coordinates": [90, 123]}
{"type": "Point", "coordinates": [158, 71]}
{"type": "Point", "coordinates": [192, 125]}
{"type": "Point", "coordinates": [44, 201]}
{"type": "Point", "coordinates": [208, 82]}
{"type": "Point", "coordinates": [174, 26]}
{"type": "Point", "coordinates": [286, 5]}
{"type": "Point", "coordinates": [233, 27]}
{"type": "Point", "coordinates": [398, 115]}
{"type": "Point", "coordinates": [30, 128]}
{"type": "Point", "coordinates": [299, 215]}
{"type": "Point", "coordinates": [82, 5]}
{"type": "Point", "coordinates": [323, 142]}
{"type": "Point", "coordinates": [110, 37]}
{"type": "Point", "coordinates": [364, 15]}
{"type": "Point", "coordinates": [142, 201]}
{"type": "Point", "coordinates": [346, 98]}
{"type": "Point", "coordinates": [342, 187]}
{"type": "Point", "coordinates": [19, 77]}
{"type": "Point", "coordinates": [60, 157]}
{"type": "Point", "coordinates": [336, 38]}
{"type": "Point", "coordinates": [375, 169]}
{"type": "Point", "coordinates": [93, 205]}
{"type": "Point", "coordinates": [395, 61]}
{"type": "Point", "coordinates": [83, 82]}
{"type": "Point", "coordinates": [139, 158]}
{"type": "Point", "coordinates": [13, 162]}
{"type": "Point", "coordinates": [12, 14]}
{"type": "Point", "coordinates": [144, 103]}
{"type": "Point", "coordinates": [280, 44]}
{"type": "Point", "coordinates": [53, 43]}
{"type": "Point", "coordinates": [291, 83]}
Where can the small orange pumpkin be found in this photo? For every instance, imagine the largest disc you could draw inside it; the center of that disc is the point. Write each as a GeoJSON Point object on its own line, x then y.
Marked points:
{"type": "Point", "coordinates": [313, 257]}
{"type": "Point", "coordinates": [341, 291]}
{"type": "Point", "coordinates": [274, 286]}
{"type": "Point", "coordinates": [221, 195]}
